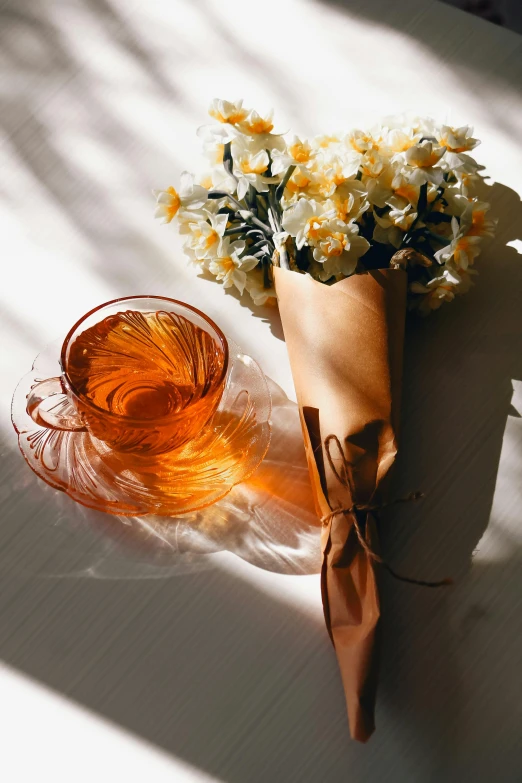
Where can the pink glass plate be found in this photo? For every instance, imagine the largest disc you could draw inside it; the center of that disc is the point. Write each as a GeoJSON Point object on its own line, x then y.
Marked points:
{"type": "Point", "coordinates": [189, 478]}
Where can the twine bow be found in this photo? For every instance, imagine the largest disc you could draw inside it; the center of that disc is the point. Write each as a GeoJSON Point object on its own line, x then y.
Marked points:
{"type": "Point", "coordinates": [362, 508]}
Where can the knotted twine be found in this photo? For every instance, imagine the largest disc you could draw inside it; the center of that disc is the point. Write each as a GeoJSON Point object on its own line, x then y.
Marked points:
{"type": "Point", "coordinates": [358, 508]}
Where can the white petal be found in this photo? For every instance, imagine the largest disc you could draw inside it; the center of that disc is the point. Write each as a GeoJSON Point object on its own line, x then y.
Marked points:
{"type": "Point", "coordinates": [219, 223]}
{"type": "Point", "coordinates": [186, 182]}
{"type": "Point", "coordinates": [164, 197]}
{"type": "Point", "coordinates": [247, 263]}
{"type": "Point", "coordinates": [242, 188]}
{"type": "Point", "coordinates": [197, 197]}
{"type": "Point", "coordinates": [239, 279]}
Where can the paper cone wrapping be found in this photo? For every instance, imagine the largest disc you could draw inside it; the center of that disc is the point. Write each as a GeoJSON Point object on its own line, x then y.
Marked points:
{"type": "Point", "coordinates": [345, 344]}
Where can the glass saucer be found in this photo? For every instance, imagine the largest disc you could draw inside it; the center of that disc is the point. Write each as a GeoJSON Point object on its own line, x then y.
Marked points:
{"type": "Point", "coordinates": [197, 474]}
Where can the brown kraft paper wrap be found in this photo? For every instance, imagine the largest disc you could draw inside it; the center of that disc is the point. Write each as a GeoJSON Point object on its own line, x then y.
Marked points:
{"type": "Point", "coordinates": [345, 344]}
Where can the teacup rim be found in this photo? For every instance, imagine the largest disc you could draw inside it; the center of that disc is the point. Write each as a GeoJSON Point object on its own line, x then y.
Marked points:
{"type": "Point", "coordinates": [121, 417]}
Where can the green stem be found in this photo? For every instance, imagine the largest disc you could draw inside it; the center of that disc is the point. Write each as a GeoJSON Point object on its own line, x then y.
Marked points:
{"type": "Point", "coordinates": [438, 237]}
{"type": "Point", "coordinates": [282, 185]}
{"type": "Point", "coordinates": [237, 230]}
{"type": "Point", "coordinates": [274, 208]}
{"type": "Point", "coordinates": [420, 216]}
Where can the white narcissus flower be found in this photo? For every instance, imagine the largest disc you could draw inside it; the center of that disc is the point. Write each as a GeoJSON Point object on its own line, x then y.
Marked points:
{"type": "Point", "coordinates": [372, 164]}
{"type": "Point", "coordinates": [216, 136]}
{"type": "Point", "coordinates": [380, 188]}
{"type": "Point", "coordinates": [249, 168]}
{"type": "Point", "coordinates": [204, 236]}
{"type": "Point", "coordinates": [297, 153]}
{"type": "Point", "coordinates": [230, 266]}
{"type": "Point", "coordinates": [462, 250]}
{"type": "Point", "coordinates": [333, 170]}
{"type": "Point", "coordinates": [396, 183]}
{"type": "Point", "coordinates": [260, 295]}
{"type": "Point", "coordinates": [473, 221]}
{"type": "Point", "coordinates": [219, 179]}
{"type": "Point", "coordinates": [388, 234]}
{"type": "Point", "coordinates": [255, 124]}
{"type": "Point", "coordinates": [350, 200]}
{"type": "Point", "coordinates": [362, 141]}
{"type": "Point", "coordinates": [230, 112]}
{"type": "Point", "coordinates": [399, 139]}
{"type": "Point", "coordinates": [438, 290]}
{"type": "Point", "coordinates": [424, 158]}
{"type": "Point", "coordinates": [457, 139]}
{"type": "Point", "coordinates": [303, 220]}
{"type": "Point", "coordinates": [299, 184]}
{"type": "Point", "coordinates": [402, 212]}
{"type": "Point", "coordinates": [405, 189]}
{"type": "Point", "coordinates": [339, 247]}
{"type": "Point", "coordinates": [170, 201]}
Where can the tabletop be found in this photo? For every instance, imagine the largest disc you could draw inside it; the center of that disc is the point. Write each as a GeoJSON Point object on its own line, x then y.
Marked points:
{"type": "Point", "coordinates": [128, 653]}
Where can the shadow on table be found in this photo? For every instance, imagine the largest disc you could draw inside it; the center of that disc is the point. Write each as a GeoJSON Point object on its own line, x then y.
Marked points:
{"type": "Point", "coordinates": [431, 28]}
{"type": "Point", "coordinates": [245, 684]}
{"type": "Point", "coordinates": [268, 521]}
{"type": "Point", "coordinates": [457, 397]}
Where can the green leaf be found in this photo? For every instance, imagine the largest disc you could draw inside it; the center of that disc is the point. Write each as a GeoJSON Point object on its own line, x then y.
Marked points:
{"type": "Point", "coordinates": [423, 199]}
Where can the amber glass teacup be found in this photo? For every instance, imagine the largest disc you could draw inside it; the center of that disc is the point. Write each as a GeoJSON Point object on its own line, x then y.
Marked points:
{"type": "Point", "coordinates": [143, 374]}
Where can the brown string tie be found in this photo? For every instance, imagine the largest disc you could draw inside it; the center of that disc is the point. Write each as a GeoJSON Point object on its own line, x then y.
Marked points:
{"type": "Point", "coordinates": [357, 508]}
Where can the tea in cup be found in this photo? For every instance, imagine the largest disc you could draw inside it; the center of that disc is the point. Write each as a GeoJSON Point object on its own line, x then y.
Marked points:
{"type": "Point", "coordinates": [142, 374]}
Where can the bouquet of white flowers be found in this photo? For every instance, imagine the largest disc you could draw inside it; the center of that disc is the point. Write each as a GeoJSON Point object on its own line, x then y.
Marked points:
{"type": "Point", "coordinates": [345, 231]}
{"type": "Point", "coordinates": [333, 206]}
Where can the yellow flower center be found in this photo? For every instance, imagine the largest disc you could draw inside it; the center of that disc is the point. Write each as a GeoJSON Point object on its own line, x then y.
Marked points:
{"type": "Point", "coordinates": [259, 126]}
{"type": "Point", "coordinates": [343, 207]}
{"type": "Point", "coordinates": [477, 223]}
{"type": "Point", "coordinates": [445, 143]}
{"type": "Point", "coordinates": [207, 183]}
{"type": "Point", "coordinates": [211, 239]}
{"type": "Point", "coordinates": [371, 167]}
{"type": "Point", "coordinates": [403, 145]}
{"type": "Point", "coordinates": [247, 168]}
{"type": "Point", "coordinates": [409, 192]}
{"type": "Point", "coordinates": [333, 244]}
{"type": "Point", "coordinates": [227, 264]}
{"type": "Point", "coordinates": [298, 182]}
{"type": "Point", "coordinates": [363, 142]}
{"type": "Point", "coordinates": [174, 204]}
{"type": "Point", "coordinates": [232, 119]}
{"type": "Point", "coordinates": [424, 163]}
{"type": "Point", "coordinates": [358, 143]}
{"type": "Point", "coordinates": [314, 228]}
{"type": "Point", "coordinates": [300, 153]}
{"type": "Point", "coordinates": [462, 246]}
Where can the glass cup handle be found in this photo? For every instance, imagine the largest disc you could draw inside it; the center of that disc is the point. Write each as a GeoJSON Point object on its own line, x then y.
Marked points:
{"type": "Point", "coordinates": [60, 416]}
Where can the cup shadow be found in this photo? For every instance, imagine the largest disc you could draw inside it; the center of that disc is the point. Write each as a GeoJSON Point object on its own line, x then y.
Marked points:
{"type": "Point", "coordinates": [268, 521]}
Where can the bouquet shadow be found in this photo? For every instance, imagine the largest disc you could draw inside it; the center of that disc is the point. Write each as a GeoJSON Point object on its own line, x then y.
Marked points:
{"type": "Point", "coordinates": [457, 400]}
{"type": "Point", "coordinates": [459, 366]}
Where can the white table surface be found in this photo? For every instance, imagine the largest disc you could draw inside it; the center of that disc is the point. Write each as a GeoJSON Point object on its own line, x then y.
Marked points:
{"type": "Point", "coordinates": [206, 658]}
